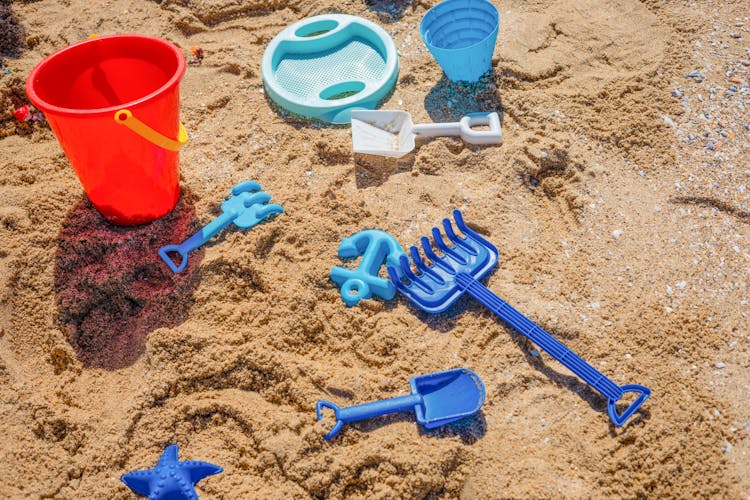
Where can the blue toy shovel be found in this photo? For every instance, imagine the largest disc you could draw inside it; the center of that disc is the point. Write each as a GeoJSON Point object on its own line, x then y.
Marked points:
{"type": "Point", "coordinates": [436, 399]}
{"type": "Point", "coordinates": [439, 285]}
{"type": "Point", "coordinates": [247, 207]}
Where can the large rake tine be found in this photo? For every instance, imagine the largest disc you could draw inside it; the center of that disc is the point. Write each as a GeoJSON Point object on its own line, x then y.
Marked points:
{"type": "Point", "coordinates": [449, 252]}
{"type": "Point", "coordinates": [422, 267]}
{"type": "Point", "coordinates": [452, 236]}
{"type": "Point", "coordinates": [395, 278]}
{"type": "Point", "coordinates": [466, 230]}
{"type": "Point", "coordinates": [416, 280]}
{"type": "Point", "coordinates": [430, 253]}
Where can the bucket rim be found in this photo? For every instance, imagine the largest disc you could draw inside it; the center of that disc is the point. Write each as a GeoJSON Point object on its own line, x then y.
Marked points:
{"type": "Point", "coordinates": [432, 12]}
{"type": "Point", "coordinates": [45, 106]}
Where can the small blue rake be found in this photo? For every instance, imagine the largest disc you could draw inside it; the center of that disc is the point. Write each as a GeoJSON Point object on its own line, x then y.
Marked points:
{"type": "Point", "coordinates": [439, 285]}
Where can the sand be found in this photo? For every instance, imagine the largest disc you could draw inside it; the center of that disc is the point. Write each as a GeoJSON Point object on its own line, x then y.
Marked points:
{"type": "Point", "coordinates": [621, 230]}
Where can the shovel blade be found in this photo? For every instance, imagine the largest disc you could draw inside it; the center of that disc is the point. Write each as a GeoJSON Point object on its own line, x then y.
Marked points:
{"type": "Point", "coordinates": [383, 133]}
{"type": "Point", "coordinates": [447, 396]}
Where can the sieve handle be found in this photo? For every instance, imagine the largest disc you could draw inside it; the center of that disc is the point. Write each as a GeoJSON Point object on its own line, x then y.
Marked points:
{"type": "Point", "coordinates": [125, 117]}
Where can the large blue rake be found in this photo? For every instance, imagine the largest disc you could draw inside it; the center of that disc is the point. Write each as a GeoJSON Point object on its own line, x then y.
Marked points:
{"type": "Point", "coordinates": [434, 288]}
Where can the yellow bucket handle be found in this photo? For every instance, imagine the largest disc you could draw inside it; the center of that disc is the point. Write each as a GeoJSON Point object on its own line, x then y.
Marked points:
{"type": "Point", "coordinates": [125, 117]}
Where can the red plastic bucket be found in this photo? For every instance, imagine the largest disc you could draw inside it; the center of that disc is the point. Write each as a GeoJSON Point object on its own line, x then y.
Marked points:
{"type": "Point", "coordinates": [113, 103]}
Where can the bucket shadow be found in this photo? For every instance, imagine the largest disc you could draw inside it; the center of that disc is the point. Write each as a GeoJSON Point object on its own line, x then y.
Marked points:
{"type": "Point", "coordinates": [389, 10]}
{"type": "Point", "coordinates": [111, 287]}
{"type": "Point", "coordinates": [449, 101]}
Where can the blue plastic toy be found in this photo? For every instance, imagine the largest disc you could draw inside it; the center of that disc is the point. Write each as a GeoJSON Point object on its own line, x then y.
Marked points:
{"type": "Point", "coordinates": [438, 286]}
{"type": "Point", "coordinates": [170, 479]}
{"type": "Point", "coordinates": [376, 247]}
{"type": "Point", "coordinates": [436, 399]}
{"type": "Point", "coordinates": [324, 66]}
{"type": "Point", "coordinates": [461, 36]}
{"type": "Point", "coordinates": [247, 207]}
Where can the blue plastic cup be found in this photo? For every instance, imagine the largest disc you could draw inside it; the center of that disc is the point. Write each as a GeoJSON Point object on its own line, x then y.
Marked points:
{"type": "Point", "coordinates": [461, 36]}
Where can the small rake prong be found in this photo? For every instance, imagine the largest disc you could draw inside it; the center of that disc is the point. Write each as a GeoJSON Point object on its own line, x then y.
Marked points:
{"type": "Point", "coordinates": [430, 253]}
{"type": "Point", "coordinates": [416, 280]}
{"type": "Point", "coordinates": [438, 238]}
{"type": "Point", "coordinates": [269, 210]}
{"type": "Point", "coordinates": [422, 267]}
{"type": "Point", "coordinates": [246, 187]}
{"type": "Point", "coordinates": [452, 236]}
{"type": "Point", "coordinates": [259, 198]}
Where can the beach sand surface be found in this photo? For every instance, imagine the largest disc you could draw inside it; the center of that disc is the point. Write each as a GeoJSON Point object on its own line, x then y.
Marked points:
{"type": "Point", "coordinates": [619, 202]}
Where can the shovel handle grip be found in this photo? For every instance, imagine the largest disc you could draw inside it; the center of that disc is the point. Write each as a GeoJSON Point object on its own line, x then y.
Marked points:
{"type": "Point", "coordinates": [463, 128]}
{"type": "Point", "coordinates": [492, 136]}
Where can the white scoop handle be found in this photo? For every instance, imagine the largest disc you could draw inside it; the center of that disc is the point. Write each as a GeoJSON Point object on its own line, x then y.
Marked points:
{"type": "Point", "coordinates": [464, 129]}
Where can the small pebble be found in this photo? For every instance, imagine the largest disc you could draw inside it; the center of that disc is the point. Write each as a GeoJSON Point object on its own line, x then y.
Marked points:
{"type": "Point", "coordinates": [669, 121]}
{"type": "Point", "coordinates": [534, 353]}
{"type": "Point", "coordinates": [544, 423]}
{"type": "Point", "coordinates": [745, 63]}
{"type": "Point", "coordinates": [628, 356]}
{"type": "Point", "coordinates": [711, 145]}
{"type": "Point", "coordinates": [678, 92]}
{"type": "Point", "coordinates": [735, 35]}
{"type": "Point", "coordinates": [595, 305]}
{"type": "Point", "coordinates": [617, 233]}
{"type": "Point", "coordinates": [727, 448]}
{"type": "Point", "coordinates": [724, 133]}
{"type": "Point", "coordinates": [720, 365]}
{"type": "Point", "coordinates": [681, 285]}
{"type": "Point", "coordinates": [696, 75]}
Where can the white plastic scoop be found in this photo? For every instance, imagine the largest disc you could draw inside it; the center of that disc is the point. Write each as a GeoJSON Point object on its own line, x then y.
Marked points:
{"type": "Point", "coordinates": [392, 133]}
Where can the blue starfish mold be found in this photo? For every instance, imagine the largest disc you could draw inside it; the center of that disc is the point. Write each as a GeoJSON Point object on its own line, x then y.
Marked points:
{"type": "Point", "coordinates": [376, 247]}
{"type": "Point", "coordinates": [170, 479]}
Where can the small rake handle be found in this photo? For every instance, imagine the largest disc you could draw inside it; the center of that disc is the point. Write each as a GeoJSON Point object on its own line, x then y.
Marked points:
{"type": "Point", "coordinates": [557, 350]}
{"type": "Point", "coordinates": [195, 241]}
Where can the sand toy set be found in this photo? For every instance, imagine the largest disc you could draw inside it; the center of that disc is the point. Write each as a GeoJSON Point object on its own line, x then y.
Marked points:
{"type": "Point", "coordinates": [113, 104]}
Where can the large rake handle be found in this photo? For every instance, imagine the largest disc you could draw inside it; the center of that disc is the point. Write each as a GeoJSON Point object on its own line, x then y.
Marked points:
{"type": "Point", "coordinates": [557, 350]}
